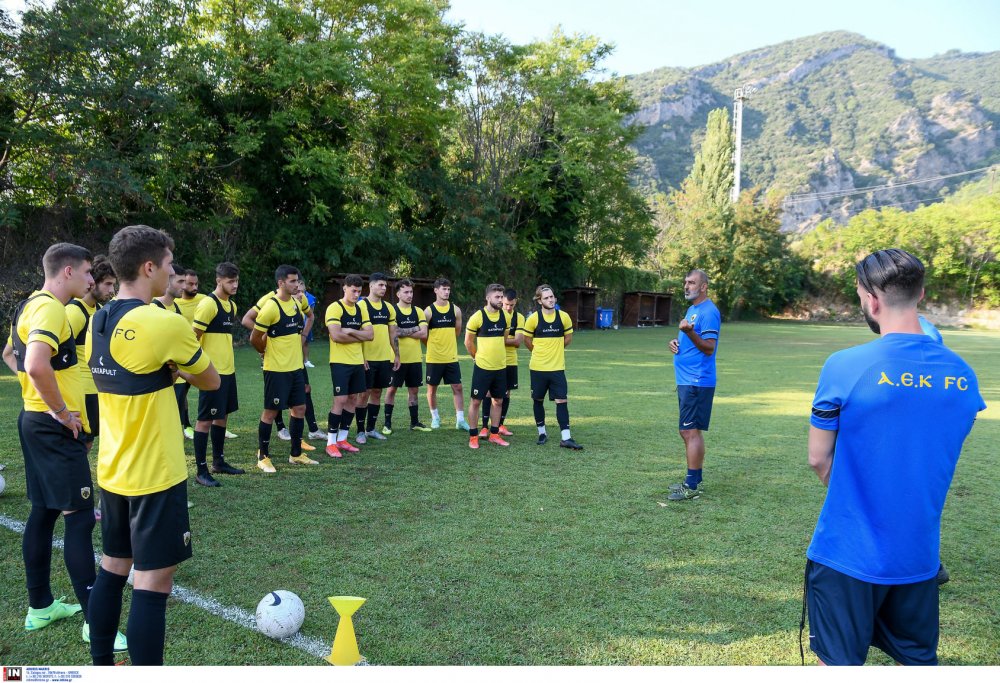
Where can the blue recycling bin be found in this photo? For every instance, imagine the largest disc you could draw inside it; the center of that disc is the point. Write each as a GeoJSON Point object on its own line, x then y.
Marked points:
{"type": "Point", "coordinates": [604, 318]}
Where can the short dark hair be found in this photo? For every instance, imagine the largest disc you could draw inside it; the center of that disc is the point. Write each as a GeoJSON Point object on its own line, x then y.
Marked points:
{"type": "Point", "coordinates": [63, 254]}
{"type": "Point", "coordinates": [101, 268]}
{"type": "Point", "coordinates": [283, 271]}
{"type": "Point", "coordinates": [897, 274]}
{"type": "Point", "coordinates": [227, 270]}
{"type": "Point", "coordinates": [495, 287]}
{"type": "Point", "coordinates": [510, 294]}
{"type": "Point", "coordinates": [192, 271]}
{"type": "Point", "coordinates": [179, 269]}
{"type": "Point", "coordinates": [376, 277]}
{"type": "Point", "coordinates": [354, 281]}
{"type": "Point", "coordinates": [699, 272]}
{"type": "Point", "coordinates": [405, 282]}
{"type": "Point", "coordinates": [442, 282]}
{"type": "Point", "coordinates": [135, 245]}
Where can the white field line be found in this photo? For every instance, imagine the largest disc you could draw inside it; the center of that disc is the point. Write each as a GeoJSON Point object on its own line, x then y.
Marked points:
{"type": "Point", "coordinates": [236, 615]}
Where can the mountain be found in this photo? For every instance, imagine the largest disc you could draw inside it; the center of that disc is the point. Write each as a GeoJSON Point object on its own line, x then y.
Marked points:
{"type": "Point", "coordinates": [834, 112]}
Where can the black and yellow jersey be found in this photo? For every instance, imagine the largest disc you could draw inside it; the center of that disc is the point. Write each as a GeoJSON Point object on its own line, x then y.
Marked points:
{"type": "Point", "coordinates": [79, 314]}
{"type": "Point", "coordinates": [282, 322]}
{"type": "Point", "coordinates": [349, 318]}
{"type": "Point", "coordinates": [490, 330]}
{"type": "Point", "coordinates": [442, 344]}
{"type": "Point", "coordinates": [302, 302]}
{"type": "Point", "coordinates": [173, 306]}
{"type": "Point", "coordinates": [217, 320]}
{"type": "Point", "coordinates": [548, 332]}
{"type": "Point", "coordinates": [516, 321]}
{"type": "Point", "coordinates": [382, 317]}
{"type": "Point", "coordinates": [42, 318]}
{"type": "Point", "coordinates": [142, 445]}
{"type": "Point", "coordinates": [187, 307]}
{"type": "Point", "coordinates": [409, 348]}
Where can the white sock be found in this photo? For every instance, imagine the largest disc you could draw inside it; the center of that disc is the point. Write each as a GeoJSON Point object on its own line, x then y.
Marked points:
{"type": "Point", "coordinates": [331, 438]}
{"type": "Point", "coordinates": [541, 430]}
{"type": "Point", "coordinates": [565, 434]}
{"type": "Point", "coordinates": [459, 415]}
{"type": "Point", "coordinates": [342, 435]}
{"type": "Point", "coordinates": [435, 414]}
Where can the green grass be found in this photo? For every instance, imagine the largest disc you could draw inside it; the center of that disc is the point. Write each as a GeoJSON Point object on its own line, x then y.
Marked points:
{"type": "Point", "coordinates": [535, 555]}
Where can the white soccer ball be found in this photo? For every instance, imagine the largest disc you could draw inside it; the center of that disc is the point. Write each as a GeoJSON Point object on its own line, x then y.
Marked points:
{"type": "Point", "coordinates": [280, 614]}
{"type": "Point", "coordinates": [3, 484]}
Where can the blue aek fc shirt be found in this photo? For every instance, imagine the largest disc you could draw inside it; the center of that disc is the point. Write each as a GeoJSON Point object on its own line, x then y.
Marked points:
{"type": "Point", "coordinates": [691, 366]}
{"type": "Point", "coordinates": [901, 406]}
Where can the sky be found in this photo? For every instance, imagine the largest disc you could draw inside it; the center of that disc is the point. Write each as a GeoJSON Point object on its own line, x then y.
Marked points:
{"type": "Point", "coordinates": [649, 34]}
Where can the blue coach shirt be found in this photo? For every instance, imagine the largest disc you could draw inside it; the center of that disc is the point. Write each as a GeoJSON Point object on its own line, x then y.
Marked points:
{"type": "Point", "coordinates": [901, 406]}
{"type": "Point", "coordinates": [691, 366]}
{"type": "Point", "coordinates": [928, 328]}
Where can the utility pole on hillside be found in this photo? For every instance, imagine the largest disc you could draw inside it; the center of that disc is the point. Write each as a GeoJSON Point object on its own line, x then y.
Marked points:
{"type": "Point", "coordinates": [742, 93]}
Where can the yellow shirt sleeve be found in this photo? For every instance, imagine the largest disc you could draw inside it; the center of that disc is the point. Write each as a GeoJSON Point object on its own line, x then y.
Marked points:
{"type": "Point", "coordinates": [205, 313]}
{"type": "Point", "coordinates": [46, 324]}
{"type": "Point", "coordinates": [178, 344]}
{"type": "Point", "coordinates": [268, 316]}
{"type": "Point", "coordinates": [365, 318]}
{"type": "Point", "coordinates": [77, 320]}
{"type": "Point", "coordinates": [567, 323]}
{"type": "Point", "coordinates": [475, 322]}
{"type": "Point", "coordinates": [528, 330]}
{"type": "Point", "coordinates": [333, 313]}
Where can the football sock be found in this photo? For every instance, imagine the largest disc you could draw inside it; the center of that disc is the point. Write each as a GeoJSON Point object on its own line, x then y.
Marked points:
{"type": "Point", "coordinates": [78, 553]}
{"type": "Point", "coordinates": [279, 422]}
{"type": "Point", "coordinates": [562, 416]}
{"type": "Point", "coordinates": [473, 431]}
{"type": "Point", "coordinates": [264, 440]}
{"type": "Point", "coordinates": [486, 418]}
{"type": "Point", "coordinates": [693, 478]}
{"type": "Point", "coordinates": [295, 427]}
{"type": "Point", "coordinates": [311, 413]}
{"type": "Point", "coordinates": [346, 418]}
{"type": "Point", "coordinates": [435, 414]}
{"type": "Point", "coordinates": [414, 414]}
{"type": "Point", "coordinates": [104, 615]}
{"type": "Point", "coordinates": [36, 549]}
{"type": "Point", "coordinates": [459, 415]}
{"type": "Point", "coordinates": [503, 411]}
{"type": "Point", "coordinates": [218, 435]}
{"type": "Point", "coordinates": [332, 425]}
{"type": "Point", "coordinates": [541, 429]}
{"type": "Point", "coordinates": [389, 407]}
{"type": "Point", "coordinates": [495, 430]}
{"type": "Point", "coordinates": [147, 627]}
{"type": "Point", "coordinates": [201, 451]}
{"type": "Point", "coordinates": [373, 409]}
{"type": "Point", "coordinates": [361, 413]}
{"type": "Point", "coordinates": [539, 408]}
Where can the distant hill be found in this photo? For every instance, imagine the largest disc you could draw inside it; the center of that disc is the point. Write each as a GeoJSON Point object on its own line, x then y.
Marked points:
{"type": "Point", "coordinates": [833, 112]}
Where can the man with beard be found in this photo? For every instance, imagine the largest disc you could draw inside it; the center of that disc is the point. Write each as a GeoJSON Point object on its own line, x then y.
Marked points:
{"type": "Point", "coordinates": [694, 352]}
{"type": "Point", "coordinates": [188, 303]}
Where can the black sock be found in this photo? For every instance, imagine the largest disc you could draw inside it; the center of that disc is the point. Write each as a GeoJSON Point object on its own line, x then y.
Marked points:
{"type": "Point", "coordinates": [503, 410]}
{"type": "Point", "coordinates": [279, 422]}
{"type": "Point", "coordinates": [473, 431]}
{"type": "Point", "coordinates": [539, 414]}
{"type": "Point", "coordinates": [295, 427]}
{"type": "Point", "coordinates": [147, 628]}
{"type": "Point", "coordinates": [346, 418]}
{"type": "Point", "coordinates": [414, 414]}
{"type": "Point", "coordinates": [264, 439]}
{"type": "Point", "coordinates": [78, 553]}
{"type": "Point", "coordinates": [361, 413]}
{"type": "Point", "coordinates": [104, 615]}
{"type": "Point", "coordinates": [311, 413]}
{"type": "Point", "coordinates": [332, 424]}
{"type": "Point", "coordinates": [218, 435]}
{"type": "Point", "coordinates": [201, 451]}
{"type": "Point", "coordinates": [389, 407]}
{"type": "Point", "coordinates": [36, 550]}
{"type": "Point", "coordinates": [373, 409]}
{"type": "Point", "coordinates": [494, 430]}
{"type": "Point", "coordinates": [562, 415]}
{"type": "Point", "coordinates": [486, 418]}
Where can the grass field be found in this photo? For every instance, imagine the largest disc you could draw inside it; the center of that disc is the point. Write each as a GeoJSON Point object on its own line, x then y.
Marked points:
{"type": "Point", "coordinates": [536, 555]}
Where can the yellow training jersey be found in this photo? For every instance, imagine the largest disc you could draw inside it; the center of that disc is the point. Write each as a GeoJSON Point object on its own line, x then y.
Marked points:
{"type": "Point", "coordinates": [142, 445]}
{"type": "Point", "coordinates": [382, 317]}
{"type": "Point", "coordinates": [409, 348]}
{"type": "Point", "coordinates": [42, 318]}
{"type": "Point", "coordinates": [217, 320]}
{"type": "Point", "coordinates": [490, 330]}
{"type": "Point", "coordinates": [302, 302]}
{"type": "Point", "coordinates": [516, 320]}
{"type": "Point", "coordinates": [189, 306]}
{"type": "Point", "coordinates": [548, 332]}
{"type": "Point", "coordinates": [442, 344]}
{"type": "Point", "coordinates": [79, 314]}
{"type": "Point", "coordinates": [349, 318]}
{"type": "Point", "coordinates": [282, 322]}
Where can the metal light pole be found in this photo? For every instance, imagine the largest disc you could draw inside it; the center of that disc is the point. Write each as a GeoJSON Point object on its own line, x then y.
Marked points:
{"type": "Point", "coordinates": [742, 93]}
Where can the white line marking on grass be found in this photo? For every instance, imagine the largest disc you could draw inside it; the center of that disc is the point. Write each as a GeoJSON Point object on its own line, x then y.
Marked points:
{"type": "Point", "coordinates": [236, 615]}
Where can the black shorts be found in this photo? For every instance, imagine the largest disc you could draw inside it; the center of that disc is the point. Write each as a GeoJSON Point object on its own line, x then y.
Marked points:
{"type": "Point", "coordinates": [450, 373]}
{"type": "Point", "coordinates": [409, 374]}
{"type": "Point", "coordinates": [511, 377]}
{"type": "Point", "coordinates": [56, 469]}
{"type": "Point", "coordinates": [847, 616]}
{"type": "Point", "coordinates": [181, 391]}
{"type": "Point", "coordinates": [305, 375]}
{"type": "Point", "coordinates": [551, 381]}
{"type": "Point", "coordinates": [488, 383]}
{"type": "Point", "coordinates": [348, 379]}
{"type": "Point", "coordinates": [152, 529]}
{"type": "Point", "coordinates": [695, 407]}
{"type": "Point", "coordinates": [215, 405]}
{"type": "Point", "coordinates": [379, 374]}
{"type": "Point", "coordinates": [93, 416]}
{"type": "Point", "coordinates": [284, 389]}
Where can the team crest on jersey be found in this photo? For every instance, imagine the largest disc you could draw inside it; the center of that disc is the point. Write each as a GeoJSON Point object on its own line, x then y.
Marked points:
{"type": "Point", "coordinates": [187, 538]}
{"type": "Point", "coordinates": [694, 316]}
{"type": "Point", "coordinates": [85, 493]}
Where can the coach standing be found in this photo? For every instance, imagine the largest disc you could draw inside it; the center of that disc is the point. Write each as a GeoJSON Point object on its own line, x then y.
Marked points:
{"type": "Point", "coordinates": [887, 427]}
{"type": "Point", "coordinates": [694, 371]}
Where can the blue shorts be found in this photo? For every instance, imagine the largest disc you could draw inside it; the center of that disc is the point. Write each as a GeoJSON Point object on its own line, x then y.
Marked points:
{"type": "Point", "coordinates": [847, 616]}
{"type": "Point", "coordinates": [695, 407]}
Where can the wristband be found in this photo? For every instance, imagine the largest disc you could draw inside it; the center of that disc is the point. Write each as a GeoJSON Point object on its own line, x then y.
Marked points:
{"type": "Point", "coordinates": [63, 409]}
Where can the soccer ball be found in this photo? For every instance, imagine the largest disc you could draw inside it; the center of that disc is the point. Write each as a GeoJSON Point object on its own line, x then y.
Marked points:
{"type": "Point", "coordinates": [280, 614]}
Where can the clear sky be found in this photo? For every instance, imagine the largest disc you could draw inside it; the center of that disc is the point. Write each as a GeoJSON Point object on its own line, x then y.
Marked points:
{"type": "Point", "coordinates": [652, 33]}
{"type": "Point", "coordinates": [649, 34]}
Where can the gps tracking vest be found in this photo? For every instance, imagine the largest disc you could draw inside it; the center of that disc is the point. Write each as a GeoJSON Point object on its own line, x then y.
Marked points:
{"type": "Point", "coordinates": [65, 357]}
{"type": "Point", "coordinates": [549, 329]}
{"type": "Point", "coordinates": [287, 324]}
{"type": "Point", "coordinates": [109, 375]}
{"type": "Point", "coordinates": [223, 322]}
{"type": "Point", "coordinates": [439, 319]}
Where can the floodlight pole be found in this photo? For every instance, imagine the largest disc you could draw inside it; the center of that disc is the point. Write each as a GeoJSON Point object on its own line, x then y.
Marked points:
{"type": "Point", "coordinates": [741, 93]}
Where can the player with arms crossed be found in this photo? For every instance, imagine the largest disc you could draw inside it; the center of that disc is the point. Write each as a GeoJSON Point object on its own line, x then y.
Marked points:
{"type": "Point", "coordinates": [484, 340]}
{"type": "Point", "coordinates": [349, 327]}
{"type": "Point", "coordinates": [444, 324]}
{"type": "Point", "coordinates": [411, 329]}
